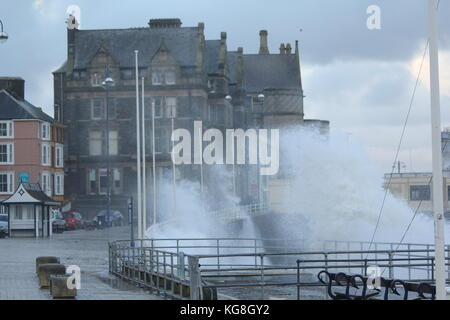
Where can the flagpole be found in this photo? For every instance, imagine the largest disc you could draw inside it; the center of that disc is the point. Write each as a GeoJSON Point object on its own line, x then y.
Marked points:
{"type": "Point", "coordinates": [438, 197]}
{"type": "Point", "coordinates": [138, 151]}
{"type": "Point", "coordinates": [201, 167]}
{"type": "Point", "coordinates": [154, 162]}
{"type": "Point", "coordinates": [174, 178]}
{"type": "Point", "coordinates": [144, 165]}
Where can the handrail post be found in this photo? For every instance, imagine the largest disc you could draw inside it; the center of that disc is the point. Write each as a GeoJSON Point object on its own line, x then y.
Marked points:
{"type": "Point", "coordinates": [262, 276]}
{"type": "Point", "coordinates": [391, 269]}
{"type": "Point", "coordinates": [181, 267]}
{"type": "Point", "coordinates": [195, 281]}
{"type": "Point", "coordinates": [298, 279]}
{"type": "Point", "coordinates": [365, 267]}
{"type": "Point", "coordinates": [409, 261]}
{"type": "Point", "coordinates": [218, 253]}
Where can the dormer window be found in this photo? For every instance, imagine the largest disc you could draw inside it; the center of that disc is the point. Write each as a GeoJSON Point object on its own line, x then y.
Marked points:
{"type": "Point", "coordinates": [127, 74]}
{"type": "Point", "coordinates": [157, 78]}
{"type": "Point", "coordinates": [170, 77]}
{"type": "Point", "coordinates": [96, 80]}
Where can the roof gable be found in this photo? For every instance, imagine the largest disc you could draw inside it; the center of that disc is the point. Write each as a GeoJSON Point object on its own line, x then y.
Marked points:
{"type": "Point", "coordinates": [121, 44]}
{"type": "Point", "coordinates": [29, 194]}
{"type": "Point", "coordinates": [13, 108]}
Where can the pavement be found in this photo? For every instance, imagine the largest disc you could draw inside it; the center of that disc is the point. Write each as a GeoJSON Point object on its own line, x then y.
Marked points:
{"type": "Point", "coordinates": [86, 249]}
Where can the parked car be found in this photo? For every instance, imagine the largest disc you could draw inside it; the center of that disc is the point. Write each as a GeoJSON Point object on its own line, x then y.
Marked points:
{"type": "Point", "coordinates": [90, 224]}
{"type": "Point", "coordinates": [74, 220]}
{"type": "Point", "coordinates": [115, 219]}
{"type": "Point", "coordinates": [3, 225]}
{"type": "Point", "coordinates": [58, 224]}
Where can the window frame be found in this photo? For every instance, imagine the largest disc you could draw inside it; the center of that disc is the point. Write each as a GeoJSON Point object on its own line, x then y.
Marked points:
{"type": "Point", "coordinates": [170, 110]}
{"type": "Point", "coordinates": [47, 154]}
{"type": "Point", "coordinates": [9, 129]}
{"type": "Point", "coordinates": [9, 182]}
{"type": "Point", "coordinates": [9, 153]}
{"type": "Point", "coordinates": [59, 147]}
{"type": "Point", "coordinates": [99, 140]}
{"type": "Point", "coordinates": [59, 187]}
{"type": "Point", "coordinates": [102, 106]}
{"type": "Point", "coordinates": [171, 83]}
{"type": "Point", "coordinates": [47, 188]}
{"type": "Point", "coordinates": [159, 77]}
{"type": "Point", "coordinates": [45, 128]}
{"type": "Point", "coordinates": [426, 189]}
{"type": "Point", "coordinates": [113, 141]}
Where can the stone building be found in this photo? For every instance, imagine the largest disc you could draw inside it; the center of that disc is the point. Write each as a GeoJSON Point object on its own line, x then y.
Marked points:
{"type": "Point", "coordinates": [187, 77]}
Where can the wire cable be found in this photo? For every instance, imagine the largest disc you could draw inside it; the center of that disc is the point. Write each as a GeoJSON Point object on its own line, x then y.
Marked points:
{"type": "Point", "coordinates": [399, 144]}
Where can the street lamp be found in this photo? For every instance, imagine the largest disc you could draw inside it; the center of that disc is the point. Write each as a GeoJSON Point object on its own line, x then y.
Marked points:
{"type": "Point", "coordinates": [3, 35]}
{"type": "Point", "coordinates": [257, 117]}
{"type": "Point", "coordinates": [228, 98]}
{"type": "Point", "coordinates": [109, 82]}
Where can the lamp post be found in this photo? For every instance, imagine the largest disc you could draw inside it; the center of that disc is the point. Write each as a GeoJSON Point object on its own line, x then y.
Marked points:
{"type": "Point", "coordinates": [106, 84]}
{"type": "Point", "coordinates": [259, 98]}
{"type": "Point", "coordinates": [3, 35]}
{"type": "Point", "coordinates": [229, 99]}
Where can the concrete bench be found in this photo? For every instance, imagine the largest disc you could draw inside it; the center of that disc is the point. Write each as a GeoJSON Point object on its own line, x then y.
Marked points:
{"type": "Point", "coordinates": [48, 269]}
{"type": "Point", "coordinates": [42, 260]}
{"type": "Point", "coordinates": [59, 288]}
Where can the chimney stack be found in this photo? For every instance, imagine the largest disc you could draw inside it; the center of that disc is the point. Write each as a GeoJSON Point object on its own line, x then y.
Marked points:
{"type": "Point", "coordinates": [282, 48]}
{"type": "Point", "coordinates": [288, 48]}
{"type": "Point", "coordinates": [14, 85]}
{"type": "Point", "coordinates": [263, 48]}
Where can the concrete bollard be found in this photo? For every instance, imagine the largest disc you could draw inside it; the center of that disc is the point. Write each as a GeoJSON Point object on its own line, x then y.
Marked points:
{"type": "Point", "coordinates": [42, 260]}
{"type": "Point", "coordinates": [48, 269]}
{"type": "Point", "coordinates": [59, 288]}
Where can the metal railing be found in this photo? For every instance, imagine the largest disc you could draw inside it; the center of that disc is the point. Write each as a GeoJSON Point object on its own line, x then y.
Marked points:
{"type": "Point", "coordinates": [241, 212]}
{"type": "Point", "coordinates": [169, 266]}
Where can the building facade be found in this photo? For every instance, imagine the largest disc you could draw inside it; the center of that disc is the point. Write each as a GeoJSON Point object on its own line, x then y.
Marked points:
{"type": "Point", "coordinates": [31, 144]}
{"type": "Point", "coordinates": [188, 78]}
{"type": "Point", "coordinates": [416, 187]}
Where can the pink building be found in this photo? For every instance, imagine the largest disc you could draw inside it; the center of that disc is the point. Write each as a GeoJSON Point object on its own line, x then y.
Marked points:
{"type": "Point", "coordinates": [31, 146]}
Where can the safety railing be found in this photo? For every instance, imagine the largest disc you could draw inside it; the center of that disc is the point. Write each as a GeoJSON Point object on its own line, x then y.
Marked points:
{"type": "Point", "coordinates": [241, 212]}
{"type": "Point", "coordinates": [176, 267]}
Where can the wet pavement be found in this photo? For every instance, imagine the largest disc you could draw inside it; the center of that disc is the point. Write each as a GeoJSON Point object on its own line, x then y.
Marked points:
{"type": "Point", "coordinates": [86, 249]}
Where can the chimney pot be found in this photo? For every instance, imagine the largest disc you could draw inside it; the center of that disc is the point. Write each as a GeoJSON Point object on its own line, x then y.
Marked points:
{"type": "Point", "coordinates": [263, 48]}
{"type": "Point", "coordinates": [282, 48]}
{"type": "Point", "coordinates": [288, 48]}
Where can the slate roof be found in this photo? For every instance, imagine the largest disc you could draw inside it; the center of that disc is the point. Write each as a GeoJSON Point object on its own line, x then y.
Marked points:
{"type": "Point", "coordinates": [36, 192]}
{"type": "Point", "coordinates": [121, 43]}
{"type": "Point", "coordinates": [14, 108]}
{"type": "Point", "coordinates": [270, 71]}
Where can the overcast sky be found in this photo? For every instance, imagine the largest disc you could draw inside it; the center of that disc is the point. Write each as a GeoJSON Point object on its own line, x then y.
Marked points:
{"type": "Point", "coordinates": [360, 80]}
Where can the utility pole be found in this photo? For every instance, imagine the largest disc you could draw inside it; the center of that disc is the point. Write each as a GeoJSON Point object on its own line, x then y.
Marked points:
{"type": "Point", "coordinates": [154, 162]}
{"type": "Point", "coordinates": [438, 197]}
{"type": "Point", "coordinates": [138, 151]}
{"type": "Point", "coordinates": [174, 174]}
{"type": "Point", "coordinates": [144, 165]}
{"type": "Point", "coordinates": [106, 84]}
